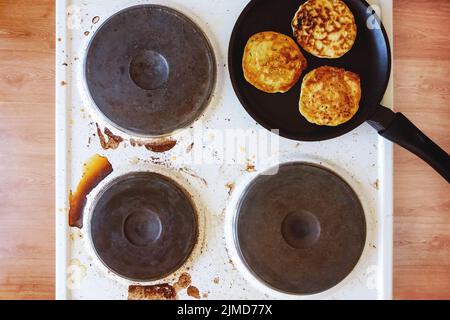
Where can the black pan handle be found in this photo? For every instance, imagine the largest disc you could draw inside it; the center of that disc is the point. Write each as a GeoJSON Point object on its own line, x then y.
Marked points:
{"type": "Point", "coordinates": [397, 128]}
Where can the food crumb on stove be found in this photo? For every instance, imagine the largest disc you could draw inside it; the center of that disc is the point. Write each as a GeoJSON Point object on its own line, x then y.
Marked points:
{"type": "Point", "coordinates": [63, 83]}
{"type": "Point", "coordinates": [189, 147]}
{"type": "Point", "coordinates": [205, 294]}
{"type": "Point", "coordinates": [216, 280]}
{"type": "Point", "coordinates": [86, 33]}
{"type": "Point", "coordinates": [134, 143]}
{"type": "Point", "coordinates": [193, 292]}
{"type": "Point", "coordinates": [162, 291]}
{"type": "Point", "coordinates": [250, 167]}
{"type": "Point", "coordinates": [95, 19]}
{"type": "Point", "coordinates": [376, 184]}
{"type": "Point", "coordinates": [230, 187]}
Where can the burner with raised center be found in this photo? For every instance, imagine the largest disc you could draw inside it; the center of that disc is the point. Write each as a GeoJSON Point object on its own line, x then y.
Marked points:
{"type": "Point", "coordinates": [143, 226]}
{"type": "Point", "coordinates": [301, 231]}
{"type": "Point", "coordinates": [150, 70]}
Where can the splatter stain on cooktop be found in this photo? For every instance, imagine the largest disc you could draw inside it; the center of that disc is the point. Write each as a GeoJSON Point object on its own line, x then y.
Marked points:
{"type": "Point", "coordinates": [157, 146]}
{"type": "Point", "coordinates": [94, 171]}
{"type": "Point", "coordinates": [111, 142]}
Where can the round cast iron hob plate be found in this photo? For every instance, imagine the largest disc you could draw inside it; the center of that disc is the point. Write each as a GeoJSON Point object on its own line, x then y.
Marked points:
{"type": "Point", "coordinates": [301, 231]}
{"type": "Point", "coordinates": [150, 70]}
{"type": "Point", "coordinates": [143, 226]}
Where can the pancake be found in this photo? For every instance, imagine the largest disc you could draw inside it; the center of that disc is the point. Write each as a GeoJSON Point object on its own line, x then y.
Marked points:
{"type": "Point", "coordinates": [330, 96]}
{"type": "Point", "coordinates": [325, 28]}
{"type": "Point", "coordinates": [272, 62]}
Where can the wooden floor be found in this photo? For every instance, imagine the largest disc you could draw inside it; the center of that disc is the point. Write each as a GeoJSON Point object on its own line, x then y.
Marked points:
{"type": "Point", "coordinates": [422, 198]}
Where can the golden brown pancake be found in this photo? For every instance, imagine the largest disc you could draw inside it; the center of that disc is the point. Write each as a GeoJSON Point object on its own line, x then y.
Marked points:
{"type": "Point", "coordinates": [325, 28]}
{"type": "Point", "coordinates": [330, 96]}
{"type": "Point", "coordinates": [272, 62]}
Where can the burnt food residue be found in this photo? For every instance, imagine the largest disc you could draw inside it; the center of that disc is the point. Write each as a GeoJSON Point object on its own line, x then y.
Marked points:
{"type": "Point", "coordinates": [158, 146]}
{"type": "Point", "coordinates": [162, 291]}
{"type": "Point", "coordinates": [113, 140]}
{"type": "Point", "coordinates": [184, 281]}
{"type": "Point", "coordinates": [193, 292]}
{"type": "Point", "coordinates": [94, 171]}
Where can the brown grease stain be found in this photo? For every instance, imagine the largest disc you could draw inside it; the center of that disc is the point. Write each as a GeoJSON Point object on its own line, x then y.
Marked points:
{"type": "Point", "coordinates": [158, 146]}
{"type": "Point", "coordinates": [193, 292]}
{"type": "Point", "coordinates": [113, 141]}
{"type": "Point", "coordinates": [162, 291]}
{"type": "Point", "coordinates": [161, 146]}
{"type": "Point", "coordinates": [95, 169]}
{"type": "Point", "coordinates": [184, 281]}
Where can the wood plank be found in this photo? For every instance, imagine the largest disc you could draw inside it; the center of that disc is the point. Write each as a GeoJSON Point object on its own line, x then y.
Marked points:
{"type": "Point", "coordinates": [27, 149]}
{"type": "Point", "coordinates": [422, 198]}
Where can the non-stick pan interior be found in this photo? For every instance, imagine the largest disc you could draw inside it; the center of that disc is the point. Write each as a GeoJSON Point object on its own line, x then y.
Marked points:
{"type": "Point", "coordinates": [370, 58]}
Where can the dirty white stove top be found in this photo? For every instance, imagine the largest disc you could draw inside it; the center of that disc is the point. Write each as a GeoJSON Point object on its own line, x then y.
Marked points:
{"type": "Point", "coordinates": [216, 181]}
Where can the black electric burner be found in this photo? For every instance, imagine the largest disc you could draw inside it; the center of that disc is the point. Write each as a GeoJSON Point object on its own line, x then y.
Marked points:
{"type": "Point", "coordinates": [143, 226]}
{"type": "Point", "coordinates": [150, 70]}
{"type": "Point", "coordinates": [301, 231]}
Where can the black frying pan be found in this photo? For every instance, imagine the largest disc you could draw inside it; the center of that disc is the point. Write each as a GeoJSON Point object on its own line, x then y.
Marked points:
{"type": "Point", "coordinates": [370, 57]}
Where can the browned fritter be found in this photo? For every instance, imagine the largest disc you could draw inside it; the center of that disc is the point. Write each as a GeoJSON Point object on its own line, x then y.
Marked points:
{"type": "Point", "coordinates": [272, 62]}
{"type": "Point", "coordinates": [330, 96]}
{"type": "Point", "coordinates": [325, 28]}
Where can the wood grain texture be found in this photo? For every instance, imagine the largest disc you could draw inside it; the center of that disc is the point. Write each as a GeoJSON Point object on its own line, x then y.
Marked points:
{"type": "Point", "coordinates": [422, 198]}
{"type": "Point", "coordinates": [26, 149]}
